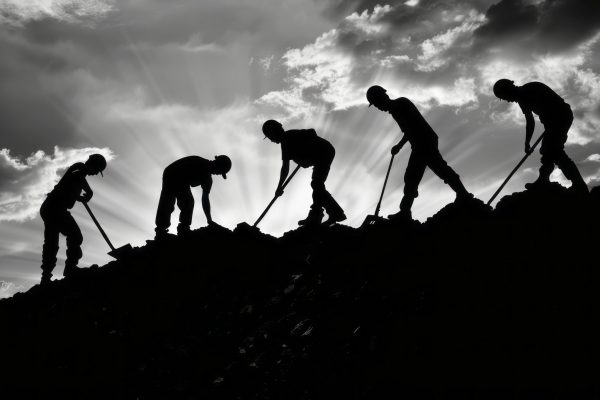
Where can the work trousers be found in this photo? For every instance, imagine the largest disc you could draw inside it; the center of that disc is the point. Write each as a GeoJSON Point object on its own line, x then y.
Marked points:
{"type": "Point", "coordinates": [553, 149]}
{"type": "Point", "coordinates": [423, 158]}
{"type": "Point", "coordinates": [322, 199]}
{"type": "Point", "coordinates": [59, 220]}
{"type": "Point", "coordinates": [173, 191]}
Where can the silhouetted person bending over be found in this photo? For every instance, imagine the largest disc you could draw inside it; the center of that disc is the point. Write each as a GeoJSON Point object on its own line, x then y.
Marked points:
{"type": "Point", "coordinates": [425, 152]}
{"type": "Point", "coordinates": [306, 149]}
{"type": "Point", "coordinates": [57, 218]}
{"type": "Point", "coordinates": [176, 182]}
{"type": "Point", "coordinates": [557, 117]}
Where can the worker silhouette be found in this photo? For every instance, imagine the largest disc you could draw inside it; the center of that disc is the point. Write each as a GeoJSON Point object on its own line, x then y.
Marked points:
{"type": "Point", "coordinates": [177, 179]}
{"type": "Point", "coordinates": [425, 152]}
{"type": "Point", "coordinates": [557, 117]}
{"type": "Point", "coordinates": [306, 149]}
{"type": "Point", "coordinates": [57, 218]}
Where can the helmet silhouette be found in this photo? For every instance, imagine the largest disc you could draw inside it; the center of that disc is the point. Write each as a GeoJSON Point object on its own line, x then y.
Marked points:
{"type": "Point", "coordinates": [223, 165]}
{"type": "Point", "coordinates": [271, 126]}
{"type": "Point", "coordinates": [374, 93]}
{"type": "Point", "coordinates": [502, 88]}
{"type": "Point", "coordinates": [97, 162]}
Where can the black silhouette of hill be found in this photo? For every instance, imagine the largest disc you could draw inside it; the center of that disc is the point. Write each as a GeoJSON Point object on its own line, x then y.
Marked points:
{"type": "Point", "coordinates": [472, 303]}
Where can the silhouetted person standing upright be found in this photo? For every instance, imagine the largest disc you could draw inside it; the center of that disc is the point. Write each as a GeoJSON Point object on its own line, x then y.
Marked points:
{"type": "Point", "coordinates": [177, 179]}
{"type": "Point", "coordinates": [57, 218]}
{"type": "Point", "coordinates": [424, 143]}
{"type": "Point", "coordinates": [306, 149]}
{"type": "Point", "coordinates": [557, 117]}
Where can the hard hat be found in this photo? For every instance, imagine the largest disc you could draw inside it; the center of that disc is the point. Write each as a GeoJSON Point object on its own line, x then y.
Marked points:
{"type": "Point", "coordinates": [224, 164]}
{"type": "Point", "coordinates": [375, 92]}
{"type": "Point", "coordinates": [502, 87]}
{"type": "Point", "coordinates": [270, 126]}
{"type": "Point", "coordinates": [97, 161]}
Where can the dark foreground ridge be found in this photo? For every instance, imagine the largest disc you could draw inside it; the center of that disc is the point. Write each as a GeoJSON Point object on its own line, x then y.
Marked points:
{"type": "Point", "coordinates": [472, 302]}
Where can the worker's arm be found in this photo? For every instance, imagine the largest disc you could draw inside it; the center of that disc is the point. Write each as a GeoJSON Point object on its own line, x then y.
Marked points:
{"type": "Point", "coordinates": [285, 169]}
{"type": "Point", "coordinates": [87, 192]}
{"type": "Point", "coordinates": [396, 148]}
{"type": "Point", "coordinates": [529, 128]}
{"type": "Point", "coordinates": [206, 204]}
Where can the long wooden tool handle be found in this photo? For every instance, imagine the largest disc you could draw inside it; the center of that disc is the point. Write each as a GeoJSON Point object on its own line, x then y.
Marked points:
{"type": "Point", "coordinates": [98, 225]}
{"type": "Point", "coordinates": [275, 198]}
{"type": "Point", "coordinates": [515, 169]}
{"type": "Point", "coordinates": [387, 175]}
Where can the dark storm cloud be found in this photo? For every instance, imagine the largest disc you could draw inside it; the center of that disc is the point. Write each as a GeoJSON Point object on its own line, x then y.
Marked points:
{"type": "Point", "coordinates": [551, 25]}
{"type": "Point", "coordinates": [32, 118]}
{"type": "Point", "coordinates": [509, 18]}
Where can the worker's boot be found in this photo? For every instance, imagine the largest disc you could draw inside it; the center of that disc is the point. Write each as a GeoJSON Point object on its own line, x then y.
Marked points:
{"type": "Point", "coordinates": [335, 218]}
{"type": "Point", "coordinates": [461, 192]}
{"type": "Point", "coordinates": [46, 277]}
{"type": "Point", "coordinates": [161, 234]}
{"type": "Point", "coordinates": [405, 213]}
{"type": "Point", "coordinates": [71, 269]}
{"type": "Point", "coordinates": [315, 216]}
{"type": "Point", "coordinates": [539, 183]}
{"type": "Point", "coordinates": [183, 230]}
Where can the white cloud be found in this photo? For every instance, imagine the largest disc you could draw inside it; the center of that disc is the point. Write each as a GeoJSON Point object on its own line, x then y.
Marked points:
{"type": "Point", "coordinates": [434, 49]}
{"type": "Point", "coordinates": [593, 158]}
{"type": "Point", "coordinates": [266, 62]}
{"type": "Point", "coordinates": [17, 12]}
{"type": "Point", "coordinates": [24, 183]}
{"type": "Point", "coordinates": [8, 289]}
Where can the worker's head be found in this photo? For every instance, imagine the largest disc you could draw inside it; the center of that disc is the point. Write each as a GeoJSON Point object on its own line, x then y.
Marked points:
{"type": "Point", "coordinates": [273, 130]}
{"type": "Point", "coordinates": [378, 97]}
{"type": "Point", "coordinates": [96, 163]}
{"type": "Point", "coordinates": [505, 89]}
{"type": "Point", "coordinates": [222, 165]}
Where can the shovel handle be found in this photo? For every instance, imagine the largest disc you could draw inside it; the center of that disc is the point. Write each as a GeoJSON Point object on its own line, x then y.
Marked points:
{"type": "Point", "coordinates": [275, 198]}
{"type": "Point", "coordinates": [98, 225]}
{"type": "Point", "coordinates": [387, 175]}
{"type": "Point", "coordinates": [515, 169]}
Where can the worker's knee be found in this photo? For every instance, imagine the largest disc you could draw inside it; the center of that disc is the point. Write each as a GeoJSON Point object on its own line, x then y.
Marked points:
{"type": "Point", "coordinates": [74, 238]}
{"type": "Point", "coordinates": [317, 185]}
{"type": "Point", "coordinates": [410, 191]}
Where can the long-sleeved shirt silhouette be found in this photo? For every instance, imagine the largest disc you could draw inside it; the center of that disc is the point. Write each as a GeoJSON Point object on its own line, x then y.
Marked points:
{"type": "Point", "coordinates": [304, 147]}
{"type": "Point", "coordinates": [68, 189]}
{"type": "Point", "coordinates": [416, 130]}
{"type": "Point", "coordinates": [540, 99]}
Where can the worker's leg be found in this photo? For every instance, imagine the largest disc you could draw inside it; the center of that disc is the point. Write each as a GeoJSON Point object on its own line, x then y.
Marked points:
{"type": "Point", "coordinates": [185, 202]}
{"type": "Point", "coordinates": [321, 196]}
{"type": "Point", "coordinates": [554, 152]}
{"type": "Point", "coordinates": [70, 229]}
{"type": "Point", "coordinates": [166, 205]}
{"type": "Point", "coordinates": [412, 177]}
{"type": "Point", "coordinates": [440, 167]}
{"type": "Point", "coordinates": [50, 246]}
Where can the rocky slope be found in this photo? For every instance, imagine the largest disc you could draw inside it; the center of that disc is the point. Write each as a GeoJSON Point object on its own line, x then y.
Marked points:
{"type": "Point", "coordinates": [474, 302]}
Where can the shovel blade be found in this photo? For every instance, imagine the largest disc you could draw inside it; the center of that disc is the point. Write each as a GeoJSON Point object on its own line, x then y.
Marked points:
{"type": "Point", "coordinates": [372, 220]}
{"type": "Point", "coordinates": [121, 251]}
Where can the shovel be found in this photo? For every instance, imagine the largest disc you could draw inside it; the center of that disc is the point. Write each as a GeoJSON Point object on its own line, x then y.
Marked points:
{"type": "Point", "coordinates": [275, 198]}
{"type": "Point", "coordinates": [246, 227]}
{"type": "Point", "coordinates": [371, 219]}
{"type": "Point", "coordinates": [115, 253]}
{"type": "Point", "coordinates": [515, 169]}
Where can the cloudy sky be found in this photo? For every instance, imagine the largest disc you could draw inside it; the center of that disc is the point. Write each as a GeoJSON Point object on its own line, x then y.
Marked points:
{"type": "Point", "coordinates": [148, 81]}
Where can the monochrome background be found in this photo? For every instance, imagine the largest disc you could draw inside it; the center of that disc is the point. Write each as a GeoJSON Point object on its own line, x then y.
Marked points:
{"type": "Point", "coordinates": [145, 82]}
